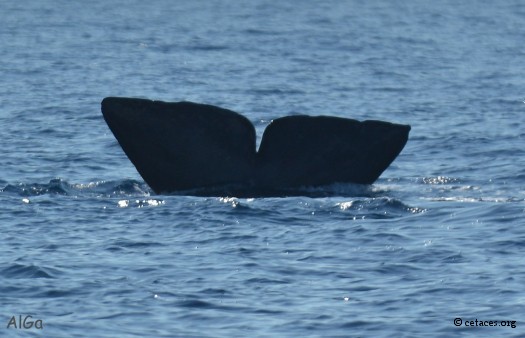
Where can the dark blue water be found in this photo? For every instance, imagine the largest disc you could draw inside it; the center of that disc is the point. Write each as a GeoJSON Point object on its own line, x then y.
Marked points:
{"type": "Point", "coordinates": [90, 251]}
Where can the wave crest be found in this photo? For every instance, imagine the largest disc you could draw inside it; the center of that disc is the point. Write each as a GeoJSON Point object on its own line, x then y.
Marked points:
{"type": "Point", "coordinates": [59, 186]}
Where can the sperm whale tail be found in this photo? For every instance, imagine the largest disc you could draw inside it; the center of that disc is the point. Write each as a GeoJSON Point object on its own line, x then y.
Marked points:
{"type": "Point", "coordinates": [206, 150]}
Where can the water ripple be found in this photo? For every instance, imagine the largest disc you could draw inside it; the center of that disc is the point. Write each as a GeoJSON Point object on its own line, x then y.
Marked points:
{"type": "Point", "coordinates": [61, 187]}
{"type": "Point", "coordinates": [18, 270]}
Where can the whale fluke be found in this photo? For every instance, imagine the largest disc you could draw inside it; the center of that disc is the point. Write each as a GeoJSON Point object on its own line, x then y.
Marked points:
{"type": "Point", "coordinates": [199, 149]}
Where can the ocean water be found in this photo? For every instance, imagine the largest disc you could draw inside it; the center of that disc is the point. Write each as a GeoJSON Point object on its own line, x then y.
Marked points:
{"type": "Point", "coordinates": [88, 250]}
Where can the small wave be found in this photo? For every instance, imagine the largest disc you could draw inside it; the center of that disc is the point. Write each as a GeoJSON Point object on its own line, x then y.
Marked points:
{"type": "Point", "coordinates": [262, 32]}
{"type": "Point", "coordinates": [507, 246]}
{"type": "Point", "coordinates": [275, 91]}
{"type": "Point", "coordinates": [398, 268]}
{"type": "Point", "coordinates": [59, 186]}
{"type": "Point", "coordinates": [28, 271]}
{"type": "Point", "coordinates": [437, 180]}
{"type": "Point", "coordinates": [262, 280]}
{"type": "Point", "coordinates": [382, 207]}
{"type": "Point", "coordinates": [240, 191]}
{"type": "Point", "coordinates": [340, 189]}
{"type": "Point", "coordinates": [140, 203]}
{"type": "Point", "coordinates": [195, 303]}
{"type": "Point", "coordinates": [467, 199]}
{"type": "Point", "coordinates": [54, 187]}
{"type": "Point", "coordinates": [229, 194]}
{"type": "Point", "coordinates": [200, 46]}
{"type": "Point", "coordinates": [119, 188]}
{"type": "Point", "coordinates": [136, 244]}
{"type": "Point", "coordinates": [437, 256]}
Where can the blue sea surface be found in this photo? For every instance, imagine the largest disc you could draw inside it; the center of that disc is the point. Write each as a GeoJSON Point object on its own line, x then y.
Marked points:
{"type": "Point", "coordinates": [90, 251]}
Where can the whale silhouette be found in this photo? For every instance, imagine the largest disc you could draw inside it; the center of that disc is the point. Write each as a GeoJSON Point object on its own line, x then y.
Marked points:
{"type": "Point", "coordinates": [198, 149]}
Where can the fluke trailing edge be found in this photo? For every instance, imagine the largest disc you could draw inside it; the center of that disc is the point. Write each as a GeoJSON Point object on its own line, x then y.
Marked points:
{"type": "Point", "coordinates": [199, 149]}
